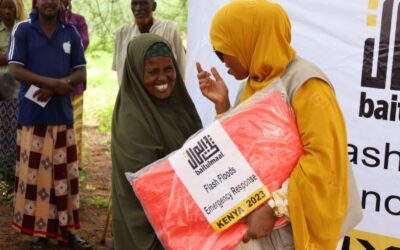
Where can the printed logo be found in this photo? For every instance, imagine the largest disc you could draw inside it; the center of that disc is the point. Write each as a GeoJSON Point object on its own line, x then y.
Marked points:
{"type": "Point", "coordinates": [67, 47]}
{"type": "Point", "coordinates": [369, 241]}
{"type": "Point", "coordinates": [381, 109]}
{"type": "Point", "coordinates": [205, 154]}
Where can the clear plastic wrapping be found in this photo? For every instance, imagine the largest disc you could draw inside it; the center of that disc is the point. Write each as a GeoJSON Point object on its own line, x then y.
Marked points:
{"type": "Point", "coordinates": [264, 130]}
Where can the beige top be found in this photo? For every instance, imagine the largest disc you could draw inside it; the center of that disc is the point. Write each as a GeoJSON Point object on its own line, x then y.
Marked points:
{"type": "Point", "coordinates": [167, 29]}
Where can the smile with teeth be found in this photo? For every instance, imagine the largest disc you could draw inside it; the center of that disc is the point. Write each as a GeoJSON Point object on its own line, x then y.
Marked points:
{"type": "Point", "coordinates": [162, 87]}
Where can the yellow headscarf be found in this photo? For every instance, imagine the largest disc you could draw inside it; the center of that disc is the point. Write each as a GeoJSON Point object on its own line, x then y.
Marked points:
{"type": "Point", "coordinates": [258, 32]}
{"type": "Point", "coordinates": [21, 13]}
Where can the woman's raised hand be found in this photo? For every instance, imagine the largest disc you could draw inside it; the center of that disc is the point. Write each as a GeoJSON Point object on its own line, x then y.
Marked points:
{"type": "Point", "coordinates": [214, 89]}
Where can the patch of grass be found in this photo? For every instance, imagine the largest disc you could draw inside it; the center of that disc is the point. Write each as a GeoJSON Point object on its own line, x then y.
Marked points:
{"type": "Point", "coordinates": [83, 176]}
{"type": "Point", "coordinates": [104, 117]}
{"type": "Point", "coordinates": [98, 202]}
{"type": "Point", "coordinates": [7, 177]}
{"type": "Point", "coordinates": [90, 187]}
{"type": "Point", "coordinates": [102, 89]}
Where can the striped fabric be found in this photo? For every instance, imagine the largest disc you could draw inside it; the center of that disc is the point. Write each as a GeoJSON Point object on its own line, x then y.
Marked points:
{"type": "Point", "coordinates": [46, 190]}
{"type": "Point", "coordinates": [77, 104]}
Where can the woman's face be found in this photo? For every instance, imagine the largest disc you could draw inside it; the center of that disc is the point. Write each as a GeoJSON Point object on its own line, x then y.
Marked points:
{"type": "Point", "coordinates": [234, 66]}
{"type": "Point", "coordinates": [7, 10]}
{"type": "Point", "coordinates": [159, 76]}
{"type": "Point", "coordinates": [48, 8]}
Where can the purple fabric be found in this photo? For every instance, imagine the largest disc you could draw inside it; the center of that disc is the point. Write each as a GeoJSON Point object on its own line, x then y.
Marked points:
{"type": "Point", "coordinates": [80, 24]}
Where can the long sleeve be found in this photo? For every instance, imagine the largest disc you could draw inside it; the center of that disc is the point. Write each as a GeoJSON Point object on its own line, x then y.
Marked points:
{"type": "Point", "coordinates": [318, 185]}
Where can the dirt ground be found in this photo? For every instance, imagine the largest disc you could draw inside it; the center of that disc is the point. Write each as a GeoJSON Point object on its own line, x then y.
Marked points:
{"type": "Point", "coordinates": [94, 190]}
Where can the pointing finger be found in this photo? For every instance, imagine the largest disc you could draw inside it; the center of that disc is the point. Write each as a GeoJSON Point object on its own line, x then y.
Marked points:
{"type": "Point", "coordinates": [199, 68]}
{"type": "Point", "coordinates": [216, 74]}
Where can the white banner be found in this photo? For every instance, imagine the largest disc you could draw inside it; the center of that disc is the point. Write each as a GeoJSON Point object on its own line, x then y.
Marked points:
{"type": "Point", "coordinates": [357, 44]}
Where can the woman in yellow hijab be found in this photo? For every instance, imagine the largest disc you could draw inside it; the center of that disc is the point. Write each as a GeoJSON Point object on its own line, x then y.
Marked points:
{"type": "Point", "coordinates": [252, 38]}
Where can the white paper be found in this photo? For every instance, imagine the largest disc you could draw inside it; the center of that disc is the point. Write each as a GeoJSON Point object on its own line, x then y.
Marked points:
{"type": "Point", "coordinates": [29, 94]}
{"type": "Point", "coordinates": [211, 167]}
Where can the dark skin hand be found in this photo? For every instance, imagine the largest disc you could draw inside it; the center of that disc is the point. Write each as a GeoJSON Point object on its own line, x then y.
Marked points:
{"type": "Point", "coordinates": [213, 89]}
{"type": "Point", "coordinates": [43, 94]}
{"type": "Point", "coordinates": [260, 223]}
{"type": "Point", "coordinates": [58, 86]}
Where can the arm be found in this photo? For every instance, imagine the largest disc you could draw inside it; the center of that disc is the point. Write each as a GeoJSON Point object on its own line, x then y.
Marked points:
{"type": "Point", "coordinates": [59, 86]}
{"type": "Point", "coordinates": [317, 191]}
{"type": "Point", "coordinates": [317, 194]}
{"type": "Point", "coordinates": [78, 62]}
{"type": "Point", "coordinates": [77, 76]}
{"type": "Point", "coordinates": [17, 55]}
{"type": "Point", "coordinates": [3, 59]}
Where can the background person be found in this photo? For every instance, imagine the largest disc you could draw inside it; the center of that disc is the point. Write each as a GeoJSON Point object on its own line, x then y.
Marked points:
{"type": "Point", "coordinates": [47, 53]}
{"type": "Point", "coordinates": [145, 22]}
{"type": "Point", "coordinates": [153, 116]}
{"type": "Point", "coordinates": [77, 94]}
{"type": "Point", "coordinates": [258, 48]}
{"type": "Point", "coordinates": [10, 13]}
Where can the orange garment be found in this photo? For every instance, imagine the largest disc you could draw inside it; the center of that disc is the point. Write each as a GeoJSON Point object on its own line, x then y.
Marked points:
{"type": "Point", "coordinates": [267, 136]}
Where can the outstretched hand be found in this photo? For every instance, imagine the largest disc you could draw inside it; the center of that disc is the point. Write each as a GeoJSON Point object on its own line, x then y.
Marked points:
{"type": "Point", "coordinates": [213, 89]}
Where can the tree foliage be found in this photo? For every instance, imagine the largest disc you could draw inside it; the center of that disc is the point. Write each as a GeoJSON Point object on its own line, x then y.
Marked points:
{"type": "Point", "coordinates": [105, 16]}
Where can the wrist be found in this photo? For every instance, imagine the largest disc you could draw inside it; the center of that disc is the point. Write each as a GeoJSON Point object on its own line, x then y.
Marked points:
{"type": "Point", "coordinates": [68, 81]}
{"type": "Point", "coordinates": [276, 210]}
{"type": "Point", "coordinates": [51, 84]}
{"type": "Point", "coordinates": [223, 106]}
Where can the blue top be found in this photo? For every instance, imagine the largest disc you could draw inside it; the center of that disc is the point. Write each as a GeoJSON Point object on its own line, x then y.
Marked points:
{"type": "Point", "coordinates": [51, 57]}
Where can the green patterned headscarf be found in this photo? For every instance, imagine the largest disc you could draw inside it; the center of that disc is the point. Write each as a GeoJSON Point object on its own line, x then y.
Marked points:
{"type": "Point", "coordinates": [144, 129]}
{"type": "Point", "coordinates": [158, 49]}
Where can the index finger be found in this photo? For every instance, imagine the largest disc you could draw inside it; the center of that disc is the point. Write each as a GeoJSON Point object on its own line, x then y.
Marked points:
{"type": "Point", "coordinates": [199, 68]}
{"type": "Point", "coordinates": [215, 73]}
{"type": "Point", "coordinates": [37, 92]}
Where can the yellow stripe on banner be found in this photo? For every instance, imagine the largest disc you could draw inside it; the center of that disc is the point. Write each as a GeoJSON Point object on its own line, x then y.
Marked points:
{"type": "Point", "coordinates": [371, 20]}
{"type": "Point", "coordinates": [241, 209]}
{"type": "Point", "coordinates": [373, 4]}
{"type": "Point", "coordinates": [364, 240]}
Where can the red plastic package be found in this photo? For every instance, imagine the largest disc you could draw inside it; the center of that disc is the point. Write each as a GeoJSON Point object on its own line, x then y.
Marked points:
{"type": "Point", "coordinates": [264, 130]}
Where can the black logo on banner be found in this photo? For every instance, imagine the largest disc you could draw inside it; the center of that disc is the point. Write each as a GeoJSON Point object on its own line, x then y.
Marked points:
{"type": "Point", "coordinates": [363, 244]}
{"type": "Point", "coordinates": [204, 154]}
{"type": "Point", "coordinates": [384, 108]}
{"type": "Point", "coordinates": [379, 80]}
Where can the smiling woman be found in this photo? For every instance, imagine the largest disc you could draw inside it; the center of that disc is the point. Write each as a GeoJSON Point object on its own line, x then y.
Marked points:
{"type": "Point", "coordinates": [153, 116]}
{"type": "Point", "coordinates": [159, 71]}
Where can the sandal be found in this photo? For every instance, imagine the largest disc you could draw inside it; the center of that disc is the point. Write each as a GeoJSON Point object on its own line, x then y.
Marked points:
{"type": "Point", "coordinates": [39, 243]}
{"type": "Point", "coordinates": [77, 243]}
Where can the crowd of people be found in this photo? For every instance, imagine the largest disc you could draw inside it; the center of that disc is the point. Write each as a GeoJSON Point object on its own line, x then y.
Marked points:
{"type": "Point", "coordinates": [154, 115]}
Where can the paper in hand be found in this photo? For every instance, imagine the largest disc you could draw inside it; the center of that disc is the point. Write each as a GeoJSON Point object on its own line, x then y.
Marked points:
{"type": "Point", "coordinates": [29, 94]}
